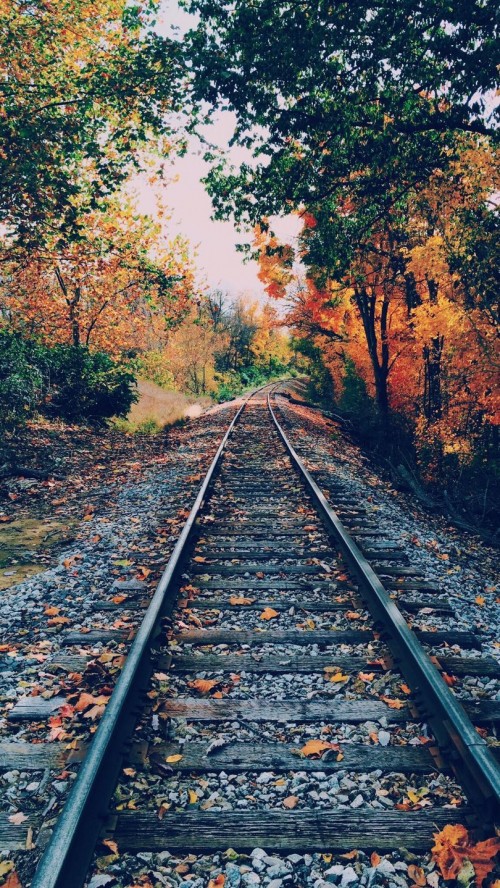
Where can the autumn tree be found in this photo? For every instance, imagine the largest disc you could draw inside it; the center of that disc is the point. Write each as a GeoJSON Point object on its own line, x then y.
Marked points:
{"type": "Point", "coordinates": [118, 288]}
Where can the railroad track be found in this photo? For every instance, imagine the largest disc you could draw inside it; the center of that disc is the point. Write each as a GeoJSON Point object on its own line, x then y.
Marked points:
{"type": "Point", "coordinates": [273, 651]}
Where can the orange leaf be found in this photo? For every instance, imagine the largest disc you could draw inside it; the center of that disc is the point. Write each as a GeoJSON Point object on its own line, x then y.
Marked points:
{"type": "Point", "coordinates": [290, 802]}
{"type": "Point", "coordinates": [480, 600]}
{"type": "Point", "coordinates": [366, 676]}
{"type": "Point", "coordinates": [200, 559]}
{"type": "Point", "coordinates": [85, 700]}
{"type": "Point", "coordinates": [452, 846]}
{"type": "Point", "coordinates": [58, 621]}
{"type": "Point", "coordinates": [235, 600]}
{"type": "Point", "coordinates": [317, 747]}
{"type": "Point", "coordinates": [269, 614]}
{"type": "Point", "coordinates": [417, 874]}
{"type": "Point", "coordinates": [51, 611]}
{"type": "Point", "coordinates": [117, 599]}
{"type": "Point", "coordinates": [375, 859]}
{"type": "Point", "coordinates": [109, 843]}
{"type": "Point", "coordinates": [13, 881]}
{"type": "Point", "coordinates": [353, 615]}
{"type": "Point", "coordinates": [203, 685]}
{"type": "Point", "coordinates": [218, 882]}
{"type": "Point", "coordinates": [393, 704]}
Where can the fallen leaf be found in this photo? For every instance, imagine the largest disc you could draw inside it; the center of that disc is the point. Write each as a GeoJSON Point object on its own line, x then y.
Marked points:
{"type": "Point", "coordinates": [393, 703]}
{"type": "Point", "coordinates": [218, 882]}
{"type": "Point", "coordinates": [452, 846]}
{"type": "Point", "coordinates": [203, 685]}
{"type": "Point", "coordinates": [13, 881]}
{"type": "Point", "coordinates": [480, 600]}
{"type": "Point", "coordinates": [417, 874]}
{"type": "Point", "coordinates": [269, 614]}
{"type": "Point", "coordinates": [109, 843]}
{"type": "Point", "coordinates": [260, 575]}
{"type": "Point", "coordinates": [338, 677]}
{"type": "Point", "coordinates": [17, 818]}
{"type": "Point", "coordinates": [51, 611]}
{"type": "Point", "coordinates": [171, 759]}
{"type": "Point", "coordinates": [200, 559]}
{"type": "Point", "coordinates": [238, 599]}
{"type": "Point", "coordinates": [317, 748]}
{"type": "Point", "coordinates": [366, 676]}
{"type": "Point", "coordinates": [353, 615]}
{"type": "Point", "coordinates": [375, 859]}
{"type": "Point", "coordinates": [290, 802]}
{"type": "Point", "coordinates": [58, 621]}
{"type": "Point", "coordinates": [193, 798]}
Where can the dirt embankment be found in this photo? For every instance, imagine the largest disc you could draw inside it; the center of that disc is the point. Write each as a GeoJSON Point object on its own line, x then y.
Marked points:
{"type": "Point", "coordinates": [164, 407]}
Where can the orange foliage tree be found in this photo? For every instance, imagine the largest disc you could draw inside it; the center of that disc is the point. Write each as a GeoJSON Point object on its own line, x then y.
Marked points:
{"type": "Point", "coordinates": [415, 312]}
{"type": "Point", "coordinates": [120, 287]}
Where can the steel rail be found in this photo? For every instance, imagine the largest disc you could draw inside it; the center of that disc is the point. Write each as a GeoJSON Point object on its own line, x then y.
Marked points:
{"type": "Point", "coordinates": [66, 860]}
{"type": "Point", "coordinates": [459, 742]}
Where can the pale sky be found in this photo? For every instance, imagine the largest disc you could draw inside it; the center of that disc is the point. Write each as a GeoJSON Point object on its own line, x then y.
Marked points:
{"type": "Point", "coordinates": [218, 261]}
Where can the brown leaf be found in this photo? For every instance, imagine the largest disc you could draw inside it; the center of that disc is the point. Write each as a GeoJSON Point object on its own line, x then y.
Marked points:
{"type": "Point", "coordinates": [218, 882]}
{"type": "Point", "coordinates": [239, 599]}
{"type": "Point", "coordinates": [260, 575]}
{"type": "Point", "coordinates": [109, 843]}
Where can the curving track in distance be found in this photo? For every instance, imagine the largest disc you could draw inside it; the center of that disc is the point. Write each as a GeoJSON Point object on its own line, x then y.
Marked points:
{"type": "Point", "coordinates": [266, 580]}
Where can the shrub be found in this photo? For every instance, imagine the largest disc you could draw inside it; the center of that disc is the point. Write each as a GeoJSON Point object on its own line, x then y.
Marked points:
{"type": "Point", "coordinates": [86, 385]}
{"type": "Point", "coordinates": [23, 373]}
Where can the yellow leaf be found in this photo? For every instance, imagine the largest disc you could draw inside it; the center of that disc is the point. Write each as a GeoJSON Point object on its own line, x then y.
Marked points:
{"type": "Point", "coordinates": [171, 759]}
{"type": "Point", "coordinates": [338, 677]}
{"type": "Point", "coordinates": [193, 798]}
{"type": "Point", "coordinates": [269, 614]}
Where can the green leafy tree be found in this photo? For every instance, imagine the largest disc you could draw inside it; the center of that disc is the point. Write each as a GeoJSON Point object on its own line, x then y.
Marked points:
{"type": "Point", "coordinates": [85, 85]}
